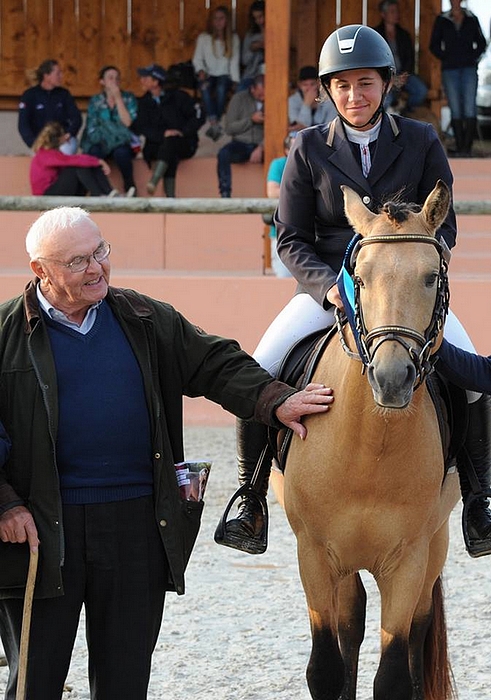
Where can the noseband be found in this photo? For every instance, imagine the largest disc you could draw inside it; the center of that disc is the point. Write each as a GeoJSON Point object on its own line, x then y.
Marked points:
{"type": "Point", "coordinates": [396, 333]}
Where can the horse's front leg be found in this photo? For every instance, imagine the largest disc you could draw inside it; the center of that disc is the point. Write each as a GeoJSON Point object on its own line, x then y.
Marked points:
{"type": "Point", "coordinates": [351, 629]}
{"type": "Point", "coordinates": [325, 670]}
{"type": "Point", "coordinates": [400, 588]}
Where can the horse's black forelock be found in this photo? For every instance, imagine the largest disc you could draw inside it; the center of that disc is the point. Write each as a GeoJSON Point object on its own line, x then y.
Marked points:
{"type": "Point", "coordinates": [397, 210]}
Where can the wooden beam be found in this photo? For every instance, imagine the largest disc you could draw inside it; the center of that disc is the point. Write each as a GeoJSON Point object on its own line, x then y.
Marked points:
{"type": "Point", "coordinates": [429, 65]}
{"type": "Point", "coordinates": [277, 55]}
{"type": "Point", "coordinates": [163, 205]}
{"type": "Point", "coordinates": [277, 59]}
{"type": "Point", "coordinates": [304, 24]}
{"type": "Point", "coordinates": [143, 205]}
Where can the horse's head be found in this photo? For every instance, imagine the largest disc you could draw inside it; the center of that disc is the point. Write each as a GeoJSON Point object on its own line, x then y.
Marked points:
{"type": "Point", "coordinates": [401, 292]}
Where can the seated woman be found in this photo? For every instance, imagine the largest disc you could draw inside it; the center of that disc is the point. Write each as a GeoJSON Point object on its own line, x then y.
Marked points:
{"type": "Point", "coordinates": [253, 45]}
{"type": "Point", "coordinates": [55, 173]}
{"type": "Point", "coordinates": [216, 62]}
{"type": "Point", "coordinates": [107, 133]}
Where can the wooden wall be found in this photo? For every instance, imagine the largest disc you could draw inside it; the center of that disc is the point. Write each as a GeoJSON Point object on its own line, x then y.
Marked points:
{"type": "Point", "coordinates": [313, 20]}
{"type": "Point", "coordinates": [86, 34]}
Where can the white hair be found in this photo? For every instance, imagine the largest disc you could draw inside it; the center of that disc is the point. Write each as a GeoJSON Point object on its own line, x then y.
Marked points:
{"type": "Point", "coordinates": [54, 221]}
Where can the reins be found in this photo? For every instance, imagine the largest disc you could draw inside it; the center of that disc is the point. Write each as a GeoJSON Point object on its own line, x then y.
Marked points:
{"type": "Point", "coordinates": [398, 333]}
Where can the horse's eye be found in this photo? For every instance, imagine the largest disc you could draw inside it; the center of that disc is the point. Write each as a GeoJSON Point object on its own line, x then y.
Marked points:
{"type": "Point", "coordinates": [432, 279]}
{"type": "Point", "coordinates": [358, 281]}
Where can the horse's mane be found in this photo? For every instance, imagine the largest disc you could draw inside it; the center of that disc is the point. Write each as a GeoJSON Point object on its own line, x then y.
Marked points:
{"type": "Point", "coordinates": [397, 210]}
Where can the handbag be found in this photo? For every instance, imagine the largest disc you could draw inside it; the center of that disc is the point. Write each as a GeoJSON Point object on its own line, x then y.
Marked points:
{"type": "Point", "coordinates": [107, 134]}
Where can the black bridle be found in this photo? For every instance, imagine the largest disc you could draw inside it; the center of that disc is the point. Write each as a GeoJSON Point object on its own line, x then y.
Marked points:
{"type": "Point", "coordinates": [397, 333]}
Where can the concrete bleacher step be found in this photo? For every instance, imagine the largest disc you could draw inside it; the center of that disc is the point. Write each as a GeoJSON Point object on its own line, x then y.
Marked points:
{"type": "Point", "coordinates": [196, 177]}
{"type": "Point", "coordinates": [210, 267]}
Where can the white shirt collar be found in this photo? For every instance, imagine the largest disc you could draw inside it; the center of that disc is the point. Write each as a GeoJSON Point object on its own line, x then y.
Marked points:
{"type": "Point", "coordinates": [363, 137]}
{"type": "Point", "coordinates": [57, 315]}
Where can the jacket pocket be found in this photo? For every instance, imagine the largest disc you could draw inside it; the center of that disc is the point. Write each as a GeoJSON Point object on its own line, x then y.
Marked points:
{"type": "Point", "coordinates": [191, 521]}
{"type": "Point", "coordinates": [14, 564]}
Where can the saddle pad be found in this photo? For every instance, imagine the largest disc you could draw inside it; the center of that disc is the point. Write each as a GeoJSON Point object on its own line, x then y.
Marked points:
{"type": "Point", "coordinates": [300, 361]}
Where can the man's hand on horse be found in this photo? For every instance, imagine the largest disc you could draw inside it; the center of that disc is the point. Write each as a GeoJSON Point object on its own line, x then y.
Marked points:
{"type": "Point", "coordinates": [315, 398]}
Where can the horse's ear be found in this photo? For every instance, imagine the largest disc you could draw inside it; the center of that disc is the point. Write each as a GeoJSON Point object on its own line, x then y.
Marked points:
{"type": "Point", "coordinates": [436, 206]}
{"type": "Point", "coordinates": [358, 215]}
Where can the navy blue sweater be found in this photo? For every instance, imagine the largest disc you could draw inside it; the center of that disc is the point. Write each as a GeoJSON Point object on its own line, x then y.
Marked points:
{"type": "Point", "coordinates": [103, 447]}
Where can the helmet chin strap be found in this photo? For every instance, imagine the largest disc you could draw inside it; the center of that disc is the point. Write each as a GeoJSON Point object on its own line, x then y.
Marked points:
{"type": "Point", "coordinates": [374, 117]}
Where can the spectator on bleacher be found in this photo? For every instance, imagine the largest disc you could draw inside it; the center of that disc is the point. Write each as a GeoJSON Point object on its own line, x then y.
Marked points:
{"type": "Point", "coordinates": [216, 61]}
{"type": "Point", "coordinates": [55, 173]}
{"type": "Point", "coordinates": [244, 122]}
{"type": "Point", "coordinates": [273, 181]}
{"type": "Point", "coordinates": [168, 120]}
{"type": "Point", "coordinates": [47, 102]}
{"type": "Point", "coordinates": [402, 48]}
{"type": "Point", "coordinates": [253, 45]}
{"type": "Point", "coordinates": [107, 133]}
{"type": "Point", "coordinates": [304, 108]}
{"type": "Point", "coordinates": [457, 40]}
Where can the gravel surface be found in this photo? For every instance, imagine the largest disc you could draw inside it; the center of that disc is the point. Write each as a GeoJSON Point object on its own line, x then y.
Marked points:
{"type": "Point", "coordinates": [241, 631]}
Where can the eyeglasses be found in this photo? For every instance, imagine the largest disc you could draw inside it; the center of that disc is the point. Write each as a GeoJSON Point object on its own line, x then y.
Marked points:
{"type": "Point", "coordinates": [82, 262]}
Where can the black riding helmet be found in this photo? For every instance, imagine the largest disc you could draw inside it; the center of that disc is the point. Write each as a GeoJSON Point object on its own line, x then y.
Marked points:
{"type": "Point", "coordinates": [352, 47]}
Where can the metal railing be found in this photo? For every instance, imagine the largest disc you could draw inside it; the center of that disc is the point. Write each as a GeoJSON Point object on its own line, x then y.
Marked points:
{"type": "Point", "coordinates": [163, 205]}
{"type": "Point", "coordinates": [143, 205]}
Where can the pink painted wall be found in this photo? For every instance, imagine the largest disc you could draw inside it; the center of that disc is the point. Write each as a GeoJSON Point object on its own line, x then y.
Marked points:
{"type": "Point", "coordinates": [210, 267]}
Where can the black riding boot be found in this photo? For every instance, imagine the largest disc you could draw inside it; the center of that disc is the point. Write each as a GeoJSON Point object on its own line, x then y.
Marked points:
{"type": "Point", "coordinates": [246, 531]}
{"type": "Point", "coordinates": [470, 127]}
{"type": "Point", "coordinates": [477, 516]}
{"type": "Point", "coordinates": [159, 171]}
{"type": "Point", "coordinates": [169, 186]}
{"type": "Point", "coordinates": [458, 132]}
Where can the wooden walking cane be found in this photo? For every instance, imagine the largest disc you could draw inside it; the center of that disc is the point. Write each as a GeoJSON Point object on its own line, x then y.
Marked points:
{"type": "Point", "coordinates": [26, 626]}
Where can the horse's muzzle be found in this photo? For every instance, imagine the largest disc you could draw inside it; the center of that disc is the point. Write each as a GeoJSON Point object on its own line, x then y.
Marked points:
{"type": "Point", "coordinates": [392, 386]}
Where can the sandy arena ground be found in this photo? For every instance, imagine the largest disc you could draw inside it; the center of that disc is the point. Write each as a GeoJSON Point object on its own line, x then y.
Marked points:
{"type": "Point", "coordinates": [241, 631]}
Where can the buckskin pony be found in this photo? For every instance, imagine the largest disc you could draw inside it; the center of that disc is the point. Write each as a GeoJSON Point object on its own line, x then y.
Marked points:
{"type": "Point", "coordinates": [366, 489]}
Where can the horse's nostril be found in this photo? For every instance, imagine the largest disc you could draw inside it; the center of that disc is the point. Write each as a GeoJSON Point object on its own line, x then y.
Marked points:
{"type": "Point", "coordinates": [411, 373]}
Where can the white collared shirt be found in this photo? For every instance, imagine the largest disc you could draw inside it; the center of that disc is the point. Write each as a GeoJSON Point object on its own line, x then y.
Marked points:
{"type": "Point", "coordinates": [60, 317]}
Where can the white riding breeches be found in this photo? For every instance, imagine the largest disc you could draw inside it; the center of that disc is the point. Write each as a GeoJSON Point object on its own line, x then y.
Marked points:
{"type": "Point", "coordinates": [303, 315]}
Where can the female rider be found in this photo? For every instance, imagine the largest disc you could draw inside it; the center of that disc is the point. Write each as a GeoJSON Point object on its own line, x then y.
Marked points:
{"type": "Point", "coordinates": [378, 155]}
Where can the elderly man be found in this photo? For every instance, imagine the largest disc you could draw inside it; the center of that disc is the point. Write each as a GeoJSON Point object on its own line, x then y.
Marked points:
{"type": "Point", "coordinates": [92, 385]}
